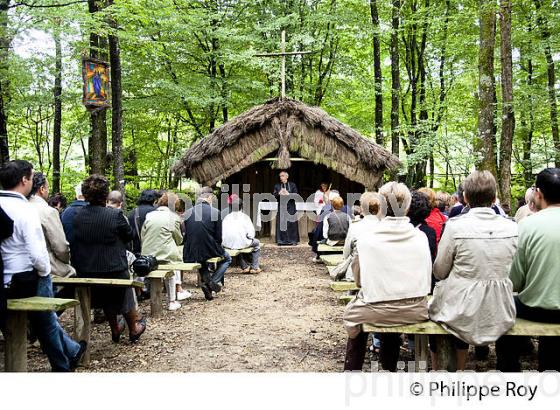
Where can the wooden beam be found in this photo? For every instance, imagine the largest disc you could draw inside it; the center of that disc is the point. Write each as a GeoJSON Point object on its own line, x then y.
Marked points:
{"type": "Point", "coordinates": [97, 282]}
{"type": "Point", "coordinates": [344, 286]}
{"type": "Point", "coordinates": [188, 267]}
{"type": "Point", "coordinates": [40, 304]}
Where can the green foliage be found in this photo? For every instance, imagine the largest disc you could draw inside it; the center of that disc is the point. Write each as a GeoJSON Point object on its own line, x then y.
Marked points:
{"type": "Point", "coordinates": [189, 65]}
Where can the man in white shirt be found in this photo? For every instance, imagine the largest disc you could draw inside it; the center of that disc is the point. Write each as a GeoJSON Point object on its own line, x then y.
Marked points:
{"type": "Point", "coordinates": [238, 232]}
{"type": "Point", "coordinates": [27, 267]}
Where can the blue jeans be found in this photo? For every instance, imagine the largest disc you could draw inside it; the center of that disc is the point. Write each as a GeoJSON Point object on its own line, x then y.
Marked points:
{"type": "Point", "coordinates": [218, 275]}
{"type": "Point", "coordinates": [55, 343]}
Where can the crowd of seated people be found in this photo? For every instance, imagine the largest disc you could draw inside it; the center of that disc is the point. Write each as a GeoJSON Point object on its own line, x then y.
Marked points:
{"type": "Point", "coordinates": [473, 260]}
{"type": "Point", "coordinates": [92, 238]}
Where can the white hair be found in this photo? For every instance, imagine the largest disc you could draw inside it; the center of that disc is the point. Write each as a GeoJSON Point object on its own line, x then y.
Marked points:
{"type": "Point", "coordinates": [78, 190]}
{"type": "Point", "coordinates": [529, 195]}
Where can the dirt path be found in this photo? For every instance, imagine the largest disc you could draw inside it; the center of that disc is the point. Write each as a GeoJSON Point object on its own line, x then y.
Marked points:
{"type": "Point", "coordinates": [284, 319]}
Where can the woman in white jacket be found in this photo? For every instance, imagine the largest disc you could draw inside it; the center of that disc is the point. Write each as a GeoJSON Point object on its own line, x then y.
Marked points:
{"type": "Point", "coordinates": [393, 269]}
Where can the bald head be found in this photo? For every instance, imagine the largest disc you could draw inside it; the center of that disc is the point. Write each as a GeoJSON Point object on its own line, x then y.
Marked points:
{"type": "Point", "coordinates": [115, 199]}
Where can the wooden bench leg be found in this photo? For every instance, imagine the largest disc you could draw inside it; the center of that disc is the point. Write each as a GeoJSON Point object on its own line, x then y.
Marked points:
{"type": "Point", "coordinates": [82, 320]}
{"type": "Point", "coordinates": [446, 354]}
{"type": "Point", "coordinates": [156, 293]}
{"type": "Point", "coordinates": [421, 352]}
{"type": "Point", "coordinates": [16, 342]}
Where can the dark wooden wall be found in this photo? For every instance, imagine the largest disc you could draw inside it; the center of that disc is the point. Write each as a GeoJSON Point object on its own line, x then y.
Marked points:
{"type": "Point", "coordinates": [307, 176]}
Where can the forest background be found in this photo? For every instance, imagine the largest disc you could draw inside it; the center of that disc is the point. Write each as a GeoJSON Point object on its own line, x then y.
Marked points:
{"type": "Point", "coordinates": [447, 85]}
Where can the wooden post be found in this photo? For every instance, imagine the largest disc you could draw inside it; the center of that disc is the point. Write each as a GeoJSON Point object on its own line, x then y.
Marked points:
{"type": "Point", "coordinates": [15, 359]}
{"type": "Point", "coordinates": [421, 352]}
{"type": "Point", "coordinates": [283, 74]}
{"type": "Point", "coordinates": [273, 225]}
{"type": "Point", "coordinates": [82, 320]}
{"type": "Point", "coordinates": [446, 354]}
{"type": "Point", "coordinates": [156, 293]}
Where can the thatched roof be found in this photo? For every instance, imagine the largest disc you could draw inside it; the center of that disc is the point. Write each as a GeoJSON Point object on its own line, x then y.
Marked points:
{"type": "Point", "coordinates": [284, 126]}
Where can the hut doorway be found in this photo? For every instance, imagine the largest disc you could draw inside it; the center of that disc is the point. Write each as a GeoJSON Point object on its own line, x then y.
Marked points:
{"type": "Point", "coordinates": [307, 175]}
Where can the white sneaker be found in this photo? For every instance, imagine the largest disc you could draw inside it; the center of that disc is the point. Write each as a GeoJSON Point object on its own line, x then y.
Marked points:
{"type": "Point", "coordinates": [184, 294]}
{"type": "Point", "coordinates": [174, 306]}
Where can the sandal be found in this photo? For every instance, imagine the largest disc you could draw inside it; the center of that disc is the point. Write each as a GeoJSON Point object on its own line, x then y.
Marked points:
{"type": "Point", "coordinates": [246, 270]}
{"type": "Point", "coordinates": [134, 337]}
{"type": "Point", "coordinates": [116, 337]}
{"type": "Point", "coordinates": [258, 270]}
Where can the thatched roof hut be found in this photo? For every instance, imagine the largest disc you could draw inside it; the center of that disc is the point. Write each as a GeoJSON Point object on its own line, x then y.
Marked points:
{"type": "Point", "coordinates": [283, 128]}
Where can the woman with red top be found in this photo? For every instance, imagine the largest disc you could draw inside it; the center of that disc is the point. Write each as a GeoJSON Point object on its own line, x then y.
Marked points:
{"type": "Point", "coordinates": [436, 219]}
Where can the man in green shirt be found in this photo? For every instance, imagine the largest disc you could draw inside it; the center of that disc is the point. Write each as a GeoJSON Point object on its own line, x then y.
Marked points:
{"type": "Point", "coordinates": [535, 273]}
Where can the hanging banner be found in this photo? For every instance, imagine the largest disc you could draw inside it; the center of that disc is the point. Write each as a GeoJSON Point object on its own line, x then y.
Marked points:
{"type": "Point", "coordinates": [97, 84]}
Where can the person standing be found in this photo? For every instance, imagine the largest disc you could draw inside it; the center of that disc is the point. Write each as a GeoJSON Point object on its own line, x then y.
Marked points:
{"type": "Point", "coordinates": [290, 234]}
{"type": "Point", "coordinates": [203, 241]}
{"type": "Point", "coordinates": [27, 267]}
{"type": "Point", "coordinates": [57, 245]}
{"type": "Point", "coordinates": [535, 273]}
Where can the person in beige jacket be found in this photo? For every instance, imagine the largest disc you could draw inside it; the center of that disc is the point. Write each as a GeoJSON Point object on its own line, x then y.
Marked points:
{"type": "Point", "coordinates": [474, 298]}
{"type": "Point", "coordinates": [57, 245]}
{"type": "Point", "coordinates": [160, 237]}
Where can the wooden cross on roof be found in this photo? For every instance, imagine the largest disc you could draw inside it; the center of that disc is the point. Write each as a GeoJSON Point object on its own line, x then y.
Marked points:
{"type": "Point", "coordinates": [283, 54]}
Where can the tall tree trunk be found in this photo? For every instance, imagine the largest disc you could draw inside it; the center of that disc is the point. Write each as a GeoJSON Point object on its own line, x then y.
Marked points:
{"type": "Point", "coordinates": [508, 117]}
{"type": "Point", "coordinates": [395, 76]}
{"type": "Point", "coordinates": [551, 76]}
{"type": "Point", "coordinates": [57, 126]}
{"type": "Point", "coordinates": [116, 118]}
{"type": "Point", "coordinates": [528, 129]}
{"type": "Point", "coordinates": [98, 139]}
{"type": "Point", "coordinates": [377, 72]}
{"type": "Point", "coordinates": [486, 87]}
{"type": "Point", "coordinates": [5, 40]}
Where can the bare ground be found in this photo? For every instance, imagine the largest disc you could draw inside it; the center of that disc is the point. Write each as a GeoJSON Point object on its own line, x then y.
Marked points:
{"type": "Point", "coordinates": [286, 319]}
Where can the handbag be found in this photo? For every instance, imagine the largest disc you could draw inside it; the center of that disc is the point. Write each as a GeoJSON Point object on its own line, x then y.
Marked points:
{"type": "Point", "coordinates": [144, 264]}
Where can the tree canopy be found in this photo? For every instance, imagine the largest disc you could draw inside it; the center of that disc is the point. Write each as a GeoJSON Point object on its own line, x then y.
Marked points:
{"type": "Point", "coordinates": [448, 85]}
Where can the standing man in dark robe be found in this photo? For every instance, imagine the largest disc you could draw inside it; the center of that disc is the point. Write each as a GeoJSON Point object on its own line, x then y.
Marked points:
{"type": "Point", "coordinates": [289, 236]}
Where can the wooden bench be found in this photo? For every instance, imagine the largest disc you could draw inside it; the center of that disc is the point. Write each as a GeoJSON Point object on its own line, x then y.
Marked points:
{"type": "Point", "coordinates": [344, 286]}
{"type": "Point", "coordinates": [332, 260]}
{"type": "Point", "coordinates": [82, 312]}
{"type": "Point", "coordinates": [323, 248]}
{"type": "Point", "coordinates": [156, 278]}
{"type": "Point", "coordinates": [446, 350]}
{"type": "Point", "coordinates": [184, 267]}
{"type": "Point", "coordinates": [15, 354]}
{"type": "Point", "coordinates": [236, 252]}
